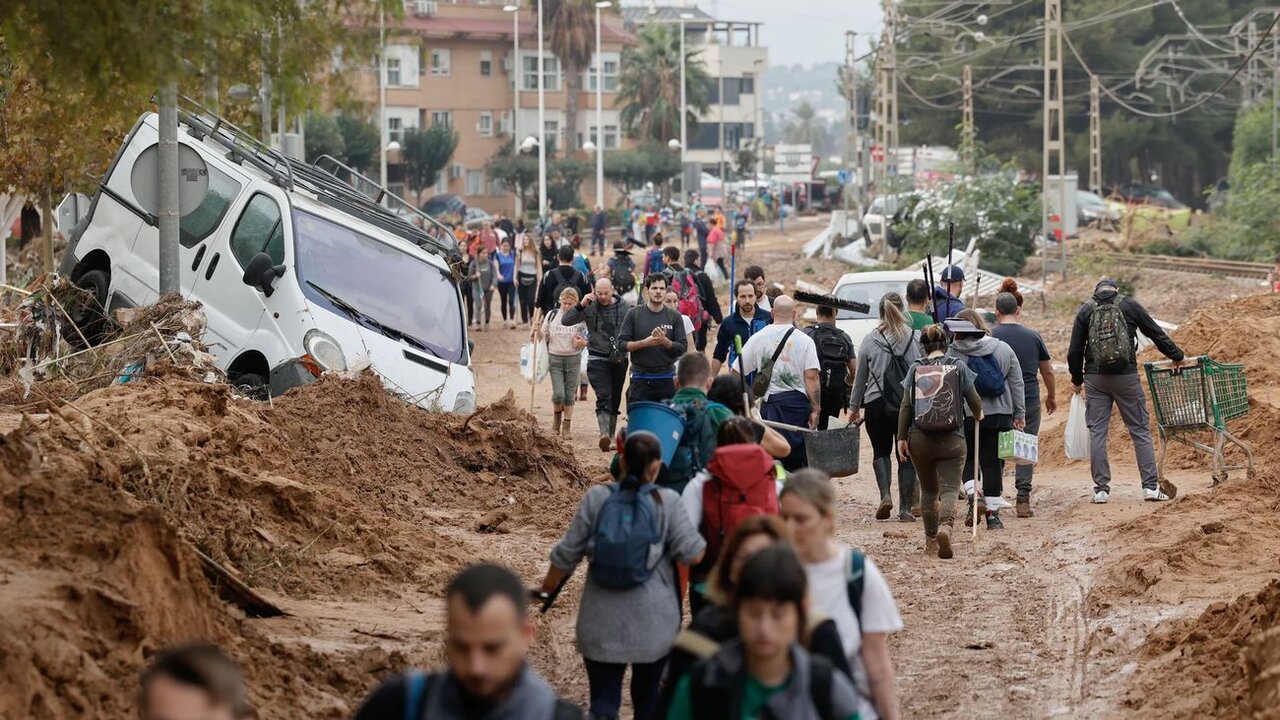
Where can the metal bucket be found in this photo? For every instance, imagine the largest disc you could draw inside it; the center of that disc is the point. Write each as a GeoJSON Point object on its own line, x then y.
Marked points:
{"type": "Point", "coordinates": [834, 452]}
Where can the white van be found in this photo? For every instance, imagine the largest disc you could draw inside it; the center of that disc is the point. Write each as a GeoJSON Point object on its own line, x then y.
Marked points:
{"type": "Point", "coordinates": [298, 271]}
{"type": "Point", "coordinates": [868, 287]}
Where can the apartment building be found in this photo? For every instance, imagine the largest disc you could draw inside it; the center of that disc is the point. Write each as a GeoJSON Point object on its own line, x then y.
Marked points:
{"type": "Point", "coordinates": [453, 64]}
{"type": "Point", "coordinates": [735, 60]}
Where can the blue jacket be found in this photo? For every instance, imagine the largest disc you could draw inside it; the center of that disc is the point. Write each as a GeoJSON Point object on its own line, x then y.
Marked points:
{"type": "Point", "coordinates": [735, 326]}
{"type": "Point", "coordinates": [948, 305]}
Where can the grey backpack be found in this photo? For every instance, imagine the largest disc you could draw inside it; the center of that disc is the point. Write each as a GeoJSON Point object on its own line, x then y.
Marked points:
{"type": "Point", "coordinates": [1110, 344]}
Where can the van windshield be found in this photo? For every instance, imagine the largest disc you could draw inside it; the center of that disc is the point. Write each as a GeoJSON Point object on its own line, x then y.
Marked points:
{"type": "Point", "coordinates": [390, 290]}
{"type": "Point", "coordinates": [869, 293]}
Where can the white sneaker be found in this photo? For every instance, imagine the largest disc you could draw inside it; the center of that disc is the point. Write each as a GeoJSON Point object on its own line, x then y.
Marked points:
{"type": "Point", "coordinates": [1156, 495]}
{"type": "Point", "coordinates": [1100, 497]}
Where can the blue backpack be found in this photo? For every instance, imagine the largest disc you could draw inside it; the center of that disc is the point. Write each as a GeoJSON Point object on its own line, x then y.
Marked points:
{"type": "Point", "coordinates": [988, 377]}
{"type": "Point", "coordinates": [626, 533]}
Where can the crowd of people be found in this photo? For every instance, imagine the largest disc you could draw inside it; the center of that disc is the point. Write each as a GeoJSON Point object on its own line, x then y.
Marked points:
{"type": "Point", "coordinates": [784, 620]}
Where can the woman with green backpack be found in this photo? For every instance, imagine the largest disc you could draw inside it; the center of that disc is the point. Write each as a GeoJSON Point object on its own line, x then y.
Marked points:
{"type": "Point", "coordinates": [931, 433]}
{"type": "Point", "coordinates": [633, 534]}
{"type": "Point", "coordinates": [884, 358]}
{"type": "Point", "coordinates": [997, 377]}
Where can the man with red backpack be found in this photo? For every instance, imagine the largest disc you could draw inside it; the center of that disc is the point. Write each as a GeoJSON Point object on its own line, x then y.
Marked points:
{"type": "Point", "coordinates": [684, 283]}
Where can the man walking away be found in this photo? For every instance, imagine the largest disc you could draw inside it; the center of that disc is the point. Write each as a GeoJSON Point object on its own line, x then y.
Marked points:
{"type": "Point", "coordinates": [1031, 352]}
{"type": "Point", "coordinates": [703, 229]}
{"type": "Point", "coordinates": [603, 312]}
{"type": "Point", "coordinates": [837, 364]}
{"type": "Point", "coordinates": [745, 320]}
{"type": "Point", "coordinates": [946, 296]}
{"type": "Point", "coordinates": [487, 637]}
{"type": "Point", "coordinates": [918, 304]}
{"type": "Point", "coordinates": [598, 221]}
{"type": "Point", "coordinates": [792, 397]}
{"type": "Point", "coordinates": [654, 335]}
{"type": "Point", "coordinates": [557, 279]}
{"type": "Point", "coordinates": [1103, 360]}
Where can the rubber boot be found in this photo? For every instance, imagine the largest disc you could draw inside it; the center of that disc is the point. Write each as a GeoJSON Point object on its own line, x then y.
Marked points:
{"type": "Point", "coordinates": [883, 468]}
{"type": "Point", "coordinates": [606, 437]}
{"type": "Point", "coordinates": [944, 542]}
{"type": "Point", "coordinates": [906, 491]}
{"type": "Point", "coordinates": [1024, 506]}
{"type": "Point", "coordinates": [556, 420]}
{"type": "Point", "coordinates": [564, 427]}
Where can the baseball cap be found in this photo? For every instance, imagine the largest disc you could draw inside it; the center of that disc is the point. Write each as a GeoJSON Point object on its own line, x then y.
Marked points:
{"type": "Point", "coordinates": [952, 273]}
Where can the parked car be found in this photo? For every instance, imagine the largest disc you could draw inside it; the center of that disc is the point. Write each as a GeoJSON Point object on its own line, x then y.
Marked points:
{"type": "Point", "coordinates": [297, 271]}
{"type": "Point", "coordinates": [1093, 211]}
{"type": "Point", "coordinates": [1150, 206]}
{"type": "Point", "coordinates": [868, 287]}
{"type": "Point", "coordinates": [873, 219]}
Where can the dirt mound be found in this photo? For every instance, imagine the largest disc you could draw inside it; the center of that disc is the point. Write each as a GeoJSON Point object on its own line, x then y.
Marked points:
{"type": "Point", "coordinates": [1244, 330]}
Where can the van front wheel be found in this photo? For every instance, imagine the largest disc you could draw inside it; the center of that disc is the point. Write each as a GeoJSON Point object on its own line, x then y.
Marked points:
{"type": "Point", "coordinates": [252, 385]}
{"type": "Point", "coordinates": [90, 315]}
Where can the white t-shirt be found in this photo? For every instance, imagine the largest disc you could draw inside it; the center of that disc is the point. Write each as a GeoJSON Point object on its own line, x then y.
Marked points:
{"type": "Point", "coordinates": [829, 595]}
{"type": "Point", "coordinates": [799, 355]}
{"type": "Point", "coordinates": [688, 326]}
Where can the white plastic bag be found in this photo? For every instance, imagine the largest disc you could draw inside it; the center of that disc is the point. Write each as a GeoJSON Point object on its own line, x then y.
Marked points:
{"type": "Point", "coordinates": [1076, 437]}
{"type": "Point", "coordinates": [582, 370]}
{"type": "Point", "coordinates": [714, 274]}
{"type": "Point", "coordinates": [527, 369]}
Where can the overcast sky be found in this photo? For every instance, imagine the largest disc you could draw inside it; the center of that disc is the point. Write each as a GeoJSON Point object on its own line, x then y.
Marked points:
{"type": "Point", "coordinates": [804, 31]}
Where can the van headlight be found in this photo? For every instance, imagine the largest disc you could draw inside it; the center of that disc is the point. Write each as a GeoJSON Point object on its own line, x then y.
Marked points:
{"type": "Point", "coordinates": [325, 350]}
{"type": "Point", "coordinates": [465, 403]}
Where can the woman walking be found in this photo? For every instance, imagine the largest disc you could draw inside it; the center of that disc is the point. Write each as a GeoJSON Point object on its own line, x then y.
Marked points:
{"type": "Point", "coordinates": [765, 672]}
{"type": "Point", "coordinates": [506, 259]}
{"type": "Point", "coordinates": [998, 380]}
{"type": "Point", "coordinates": [564, 348]}
{"type": "Point", "coordinates": [931, 433]}
{"type": "Point", "coordinates": [633, 623]}
{"type": "Point", "coordinates": [883, 360]}
{"type": "Point", "coordinates": [527, 276]}
{"type": "Point", "coordinates": [847, 587]}
{"type": "Point", "coordinates": [484, 273]}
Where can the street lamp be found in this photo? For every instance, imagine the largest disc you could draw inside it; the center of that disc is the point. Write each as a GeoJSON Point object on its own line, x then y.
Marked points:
{"type": "Point", "coordinates": [517, 73]}
{"type": "Point", "coordinates": [599, 109]}
{"type": "Point", "coordinates": [529, 144]}
{"type": "Point", "coordinates": [382, 97]}
{"type": "Point", "coordinates": [588, 146]}
{"type": "Point", "coordinates": [542, 121]}
{"type": "Point", "coordinates": [675, 144]}
{"type": "Point", "coordinates": [684, 109]}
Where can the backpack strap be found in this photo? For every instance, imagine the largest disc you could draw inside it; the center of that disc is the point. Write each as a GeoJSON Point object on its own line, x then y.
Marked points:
{"type": "Point", "coordinates": [415, 686]}
{"type": "Point", "coordinates": [855, 581]}
{"type": "Point", "coordinates": [820, 684]}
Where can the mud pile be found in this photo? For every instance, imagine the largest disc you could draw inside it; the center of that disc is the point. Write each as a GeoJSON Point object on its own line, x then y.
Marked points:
{"type": "Point", "coordinates": [338, 491]}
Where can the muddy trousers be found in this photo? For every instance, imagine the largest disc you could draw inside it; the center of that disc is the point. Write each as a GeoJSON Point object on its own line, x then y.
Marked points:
{"type": "Point", "coordinates": [564, 378]}
{"type": "Point", "coordinates": [607, 379]}
{"type": "Point", "coordinates": [939, 464]}
{"type": "Point", "coordinates": [1100, 391]}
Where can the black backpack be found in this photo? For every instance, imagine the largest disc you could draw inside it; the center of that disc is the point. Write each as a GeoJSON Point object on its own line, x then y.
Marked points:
{"type": "Point", "coordinates": [835, 349]}
{"type": "Point", "coordinates": [894, 376]}
{"type": "Point", "coordinates": [556, 278]}
{"type": "Point", "coordinates": [623, 274]}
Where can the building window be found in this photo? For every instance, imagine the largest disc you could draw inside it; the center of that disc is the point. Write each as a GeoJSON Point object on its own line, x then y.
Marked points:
{"type": "Point", "coordinates": [442, 182]}
{"type": "Point", "coordinates": [706, 137]}
{"type": "Point", "coordinates": [552, 131]}
{"type": "Point", "coordinates": [611, 137]}
{"type": "Point", "coordinates": [732, 90]}
{"type": "Point", "coordinates": [440, 63]}
{"type": "Point", "coordinates": [550, 72]}
{"type": "Point", "coordinates": [393, 72]}
{"type": "Point", "coordinates": [395, 130]}
{"type": "Point", "coordinates": [486, 63]}
{"type": "Point", "coordinates": [748, 86]}
{"type": "Point", "coordinates": [475, 182]}
{"type": "Point", "coordinates": [441, 118]}
{"type": "Point", "coordinates": [485, 126]}
{"type": "Point", "coordinates": [610, 75]}
{"type": "Point", "coordinates": [497, 188]}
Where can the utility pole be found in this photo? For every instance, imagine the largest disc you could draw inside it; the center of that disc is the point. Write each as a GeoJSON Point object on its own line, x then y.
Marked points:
{"type": "Point", "coordinates": [1275, 98]}
{"type": "Point", "coordinates": [1054, 143]}
{"type": "Point", "coordinates": [969, 137]}
{"type": "Point", "coordinates": [167, 188]}
{"type": "Point", "coordinates": [889, 118]}
{"type": "Point", "coordinates": [854, 151]}
{"type": "Point", "coordinates": [859, 158]}
{"type": "Point", "coordinates": [1095, 135]}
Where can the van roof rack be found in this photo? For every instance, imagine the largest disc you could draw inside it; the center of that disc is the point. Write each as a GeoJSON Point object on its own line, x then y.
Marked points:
{"type": "Point", "coordinates": [337, 187]}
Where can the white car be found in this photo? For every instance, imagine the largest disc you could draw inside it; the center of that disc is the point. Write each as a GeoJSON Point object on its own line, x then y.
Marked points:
{"type": "Point", "coordinates": [298, 272]}
{"type": "Point", "coordinates": [873, 219]}
{"type": "Point", "coordinates": [869, 287]}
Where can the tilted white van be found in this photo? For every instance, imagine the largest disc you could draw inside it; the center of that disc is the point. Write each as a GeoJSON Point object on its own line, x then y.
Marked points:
{"type": "Point", "coordinates": [298, 271]}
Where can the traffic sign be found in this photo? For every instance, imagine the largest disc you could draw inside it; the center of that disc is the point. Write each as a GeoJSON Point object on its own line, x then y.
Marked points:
{"type": "Point", "coordinates": [844, 176]}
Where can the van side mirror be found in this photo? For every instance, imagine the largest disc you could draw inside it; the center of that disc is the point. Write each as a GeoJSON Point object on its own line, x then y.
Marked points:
{"type": "Point", "coordinates": [261, 273]}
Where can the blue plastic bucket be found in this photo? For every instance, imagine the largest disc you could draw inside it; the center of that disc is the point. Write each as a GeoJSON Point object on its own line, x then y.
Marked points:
{"type": "Point", "coordinates": [664, 422]}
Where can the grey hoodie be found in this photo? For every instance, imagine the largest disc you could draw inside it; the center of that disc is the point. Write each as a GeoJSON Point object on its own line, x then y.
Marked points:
{"type": "Point", "coordinates": [727, 668]}
{"type": "Point", "coordinates": [873, 360]}
{"type": "Point", "coordinates": [1013, 401]}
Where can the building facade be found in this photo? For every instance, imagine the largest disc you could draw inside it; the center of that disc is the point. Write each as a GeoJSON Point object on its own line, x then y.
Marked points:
{"type": "Point", "coordinates": [455, 64]}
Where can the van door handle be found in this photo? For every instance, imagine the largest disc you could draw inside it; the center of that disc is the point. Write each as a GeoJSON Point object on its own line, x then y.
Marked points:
{"type": "Point", "coordinates": [213, 263]}
{"type": "Point", "coordinates": [199, 256]}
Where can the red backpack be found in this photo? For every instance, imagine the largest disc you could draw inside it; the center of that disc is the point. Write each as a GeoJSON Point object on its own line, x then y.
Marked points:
{"type": "Point", "coordinates": [689, 303]}
{"type": "Point", "coordinates": [743, 483]}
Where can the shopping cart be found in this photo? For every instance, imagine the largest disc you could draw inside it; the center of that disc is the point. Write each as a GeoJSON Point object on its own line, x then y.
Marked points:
{"type": "Point", "coordinates": [1200, 396]}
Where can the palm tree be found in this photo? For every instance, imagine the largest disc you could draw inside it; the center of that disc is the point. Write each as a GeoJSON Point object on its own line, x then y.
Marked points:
{"type": "Point", "coordinates": [649, 85]}
{"type": "Point", "coordinates": [805, 128]}
{"type": "Point", "coordinates": [573, 42]}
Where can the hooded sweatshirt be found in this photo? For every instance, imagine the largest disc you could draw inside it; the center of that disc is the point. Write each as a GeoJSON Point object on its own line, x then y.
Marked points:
{"type": "Point", "coordinates": [1013, 401]}
{"type": "Point", "coordinates": [873, 360]}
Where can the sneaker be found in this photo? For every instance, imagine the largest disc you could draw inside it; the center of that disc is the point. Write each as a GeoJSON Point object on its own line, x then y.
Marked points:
{"type": "Point", "coordinates": [1156, 495]}
{"type": "Point", "coordinates": [1024, 508]}
{"type": "Point", "coordinates": [606, 443]}
{"type": "Point", "coordinates": [1100, 497]}
{"type": "Point", "coordinates": [944, 542]}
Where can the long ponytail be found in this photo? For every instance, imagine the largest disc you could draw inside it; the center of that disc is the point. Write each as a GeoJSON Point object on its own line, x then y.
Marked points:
{"type": "Point", "coordinates": [893, 319]}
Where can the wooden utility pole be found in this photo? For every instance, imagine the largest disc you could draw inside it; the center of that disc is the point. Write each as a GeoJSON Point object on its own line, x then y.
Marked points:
{"type": "Point", "coordinates": [969, 133]}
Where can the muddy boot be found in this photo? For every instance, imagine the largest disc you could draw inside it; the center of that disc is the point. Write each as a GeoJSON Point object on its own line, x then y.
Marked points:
{"type": "Point", "coordinates": [930, 523]}
{"type": "Point", "coordinates": [1024, 507]}
{"type": "Point", "coordinates": [564, 428]}
{"type": "Point", "coordinates": [944, 542]}
{"type": "Point", "coordinates": [606, 437]}
{"type": "Point", "coordinates": [883, 468]}
{"type": "Point", "coordinates": [993, 521]}
{"type": "Point", "coordinates": [906, 490]}
{"type": "Point", "coordinates": [556, 420]}
{"type": "Point", "coordinates": [930, 546]}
